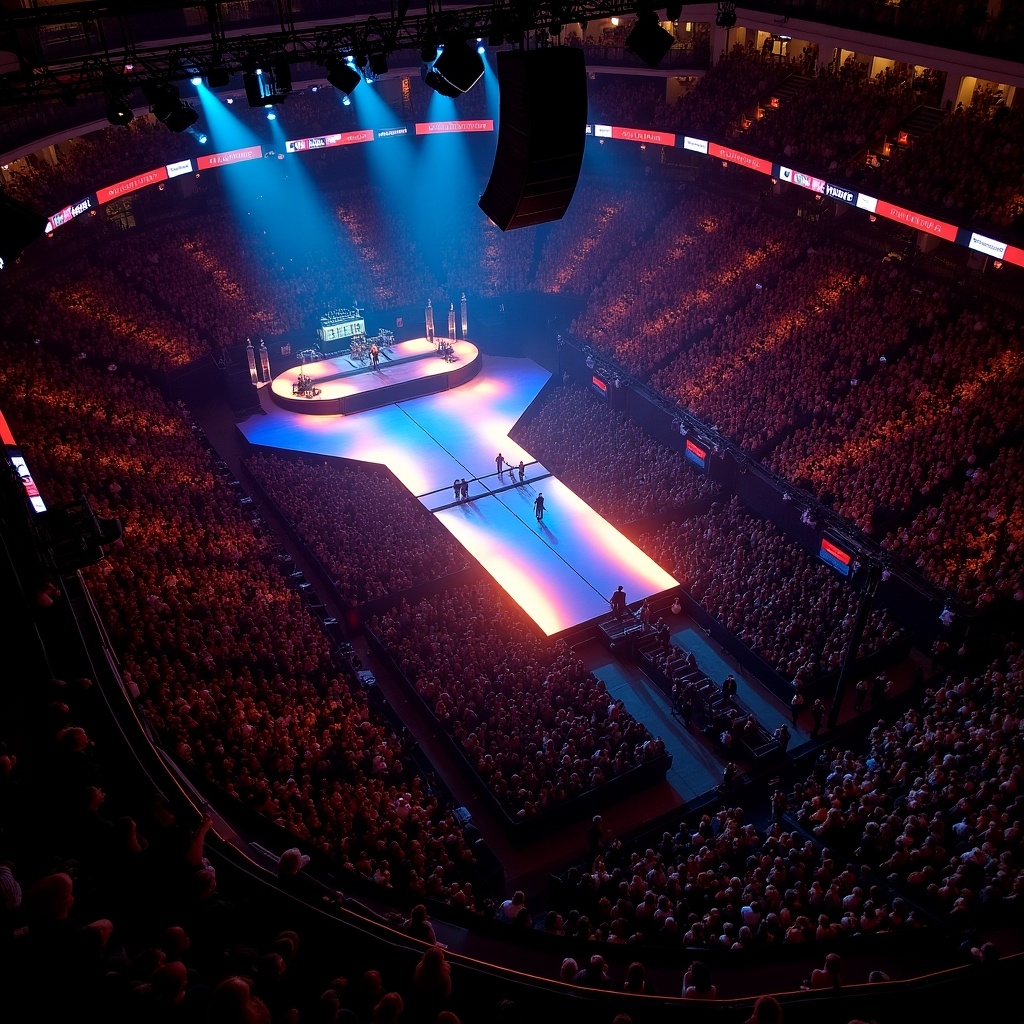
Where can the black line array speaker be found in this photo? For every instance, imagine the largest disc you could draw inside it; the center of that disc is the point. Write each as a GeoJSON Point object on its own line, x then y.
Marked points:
{"type": "Point", "coordinates": [541, 136]}
{"type": "Point", "coordinates": [19, 225]}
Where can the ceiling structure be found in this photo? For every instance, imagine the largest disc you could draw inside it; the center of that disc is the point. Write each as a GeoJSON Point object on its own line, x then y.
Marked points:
{"type": "Point", "coordinates": [64, 51]}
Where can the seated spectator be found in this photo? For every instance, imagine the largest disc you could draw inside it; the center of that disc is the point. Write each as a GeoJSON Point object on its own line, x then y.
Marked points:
{"type": "Point", "coordinates": [697, 982]}
{"type": "Point", "coordinates": [596, 974]}
{"type": "Point", "coordinates": [419, 926]}
{"type": "Point", "coordinates": [829, 975]}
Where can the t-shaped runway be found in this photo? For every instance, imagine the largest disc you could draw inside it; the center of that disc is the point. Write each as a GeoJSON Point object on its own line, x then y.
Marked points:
{"type": "Point", "coordinates": [561, 571]}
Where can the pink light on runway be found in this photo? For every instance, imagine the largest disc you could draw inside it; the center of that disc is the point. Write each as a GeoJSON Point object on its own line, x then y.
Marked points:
{"type": "Point", "coordinates": [560, 572]}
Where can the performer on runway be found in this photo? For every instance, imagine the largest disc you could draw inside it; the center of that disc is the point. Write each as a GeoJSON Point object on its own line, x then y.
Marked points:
{"type": "Point", "coordinates": [465, 489]}
{"type": "Point", "coordinates": [499, 461]}
{"type": "Point", "coordinates": [538, 507]}
{"type": "Point", "coordinates": [375, 354]}
{"type": "Point", "coordinates": [522, 471]}
{"type": "Point", "coordinates": [618, 603]}
{"type": "Point", "coordinates": [457, 488]}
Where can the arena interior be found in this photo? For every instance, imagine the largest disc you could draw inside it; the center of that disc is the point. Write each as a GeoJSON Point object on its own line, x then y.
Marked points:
{"type": "Point", "coordinates": [298, 730]}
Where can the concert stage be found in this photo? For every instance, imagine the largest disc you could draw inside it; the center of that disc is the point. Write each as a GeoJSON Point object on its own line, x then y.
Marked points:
{"type": "Point", "coordinates": [342, 385]}
{"type": "Point", "coordinates": [562, 571]}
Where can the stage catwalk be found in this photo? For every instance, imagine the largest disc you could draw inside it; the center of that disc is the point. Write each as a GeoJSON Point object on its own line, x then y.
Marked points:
{"type": "Point", "coordinates": [561, 571]}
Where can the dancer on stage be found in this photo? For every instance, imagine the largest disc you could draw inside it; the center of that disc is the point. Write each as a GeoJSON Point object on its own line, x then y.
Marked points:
{"type": "Point", "coordinates": [538, 507]}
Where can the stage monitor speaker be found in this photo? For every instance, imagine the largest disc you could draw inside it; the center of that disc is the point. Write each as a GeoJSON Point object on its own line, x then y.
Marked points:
{"type": "Point", "coordinates": [541, 136]}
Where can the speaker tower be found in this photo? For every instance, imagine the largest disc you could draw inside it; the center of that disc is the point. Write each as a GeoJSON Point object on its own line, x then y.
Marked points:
{"type": "Point", "coordinates": [541, 136]}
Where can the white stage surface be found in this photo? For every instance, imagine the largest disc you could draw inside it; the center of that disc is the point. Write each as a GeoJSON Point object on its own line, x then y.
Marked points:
{"type": "Point", "coordinates": [343, 385]}
{"type": "Point", "coordinates": [562, 571]}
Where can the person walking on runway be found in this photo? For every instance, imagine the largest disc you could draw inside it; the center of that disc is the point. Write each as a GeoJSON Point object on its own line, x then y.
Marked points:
{"type": "Point", "coordinates": [499, 461]}
{"type": "Point", "coordinates": [457, 488]}
{"type": "Point", "coordinates": [375, 355]}
{"type": "Point", "coordinates": [618, 603]}
{"type": "Point", "coordinates": [538, 507]}
{"type": "Point", "coordinates": [465, 489]}
{"type": "Point", "coordinates": [522, 471]}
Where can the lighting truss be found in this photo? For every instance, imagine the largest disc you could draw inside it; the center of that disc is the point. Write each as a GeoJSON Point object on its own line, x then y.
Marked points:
{"type": "Point", "coordinates": [74, 49]}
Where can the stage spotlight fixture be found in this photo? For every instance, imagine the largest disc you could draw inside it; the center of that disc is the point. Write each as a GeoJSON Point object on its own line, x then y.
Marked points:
{"type": "Point", "coordinates": [459, 65]}
{"type": "Point", "coordinates": [343, 76]}
{"type": "Point", "coordinates": [725, 16]}
{"type": "Point", "coordinates": [119, 110]}
{"type": "Point", "coordinates": [648, 40]}
{"type": "Point", "coordinates": [218, 78]}
{"type": "Point", "coordinates": [271, 116]}
{"type": "Point", "coordinates": [196, 81]}
{"type": "Point", "coordinates": [378, 63]}
{"type": "Point", "coordinates": [167, 106]}
{"type": "Point", "coordinates": [265, 86]}
{"type": "Point", "coordinates": [438, 83]}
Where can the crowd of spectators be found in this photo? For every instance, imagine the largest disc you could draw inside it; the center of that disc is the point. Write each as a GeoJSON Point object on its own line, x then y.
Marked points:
{"type": "Point", "coordinates": [799, 346]}
{"type": "Point", "coordinates": [236, 679]}
{"type": "Point", "coordinates": [902, 436]}
{"type": "Point", "coordinates": [705, 257]}
{"type": "Point", "coordinates": [371, 536]}
{"type": "Point", "coordinates": [195, 269]}
{"type": "Point", "coordinates": [631, 102]}
{"type": "Point", "coordinates": [604, 219]}
{"type": "Point", "coordinates": [928, 816]}
{"type": "Point", "coordinates": [972, 542]}
{"type": "Point", "coordinates": [787, 606]}
{"type": "Point", "coordinates": [114, 904]}
{"type": "Point", "coordinates": [793, 347]}
{"type": "Point", "coordinates": [479, 258]}
{"type": "Point", "coordinates": [727, 885]}
{"type": "Point", "coordinates": [533, 723]}
{"type": "Point", "coordinates": [607, 459]}
{"type": "Point", "coordinates": [946, 22]}
{"type": "Point", "coordinates": [89, 312]}
{"type": "Point", "coordinates": [834, 116]}
{"type": "Point", "coordinates": [230, 669]}
{"type": "Point", "coordinates": [734, 82]}
{"type": "Point", "coordinates": [968, 164]}
{"type": "Point", "coordinates": [391, 269]}
{"type": "Point", "coordinates": [933, 805]}
{"type": "Point", "coordinates": [65, 173]}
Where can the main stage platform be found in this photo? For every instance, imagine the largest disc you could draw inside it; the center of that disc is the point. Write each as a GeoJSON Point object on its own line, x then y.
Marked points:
{"type": "Point", "coordinates": [343, 386]}
{"type": "Point", "coordinates": [561, 571]}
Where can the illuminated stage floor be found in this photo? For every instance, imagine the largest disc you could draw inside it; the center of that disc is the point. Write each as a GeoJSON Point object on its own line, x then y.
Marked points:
{"type": "Point", "coordinates": [562, 571]}
{"type": "Point", "coordinates": [411, 369]}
